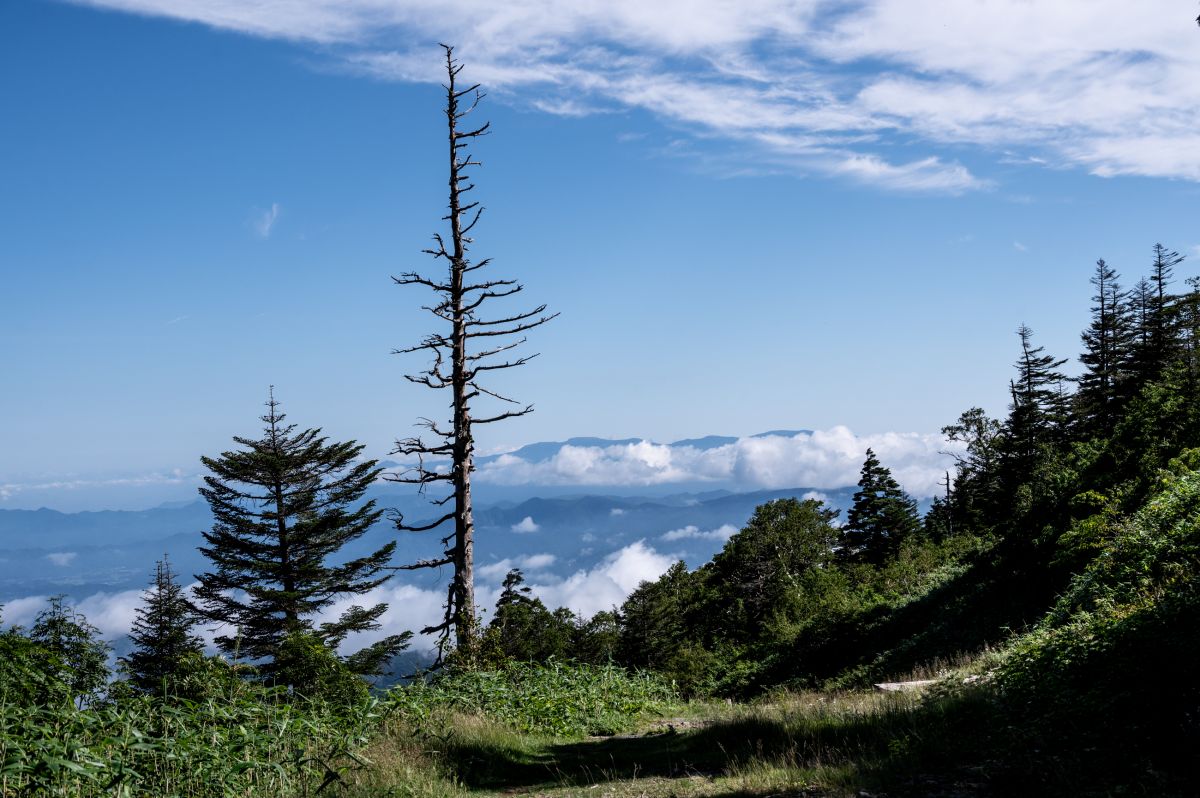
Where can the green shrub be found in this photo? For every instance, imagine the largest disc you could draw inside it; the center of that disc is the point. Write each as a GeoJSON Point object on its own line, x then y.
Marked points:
{"type": "Point", "coordinates": [314, 673]}
{"type": "Point", "coordinates": [555, 698]}
{"type": "Point", "coordinates": [235, 739]}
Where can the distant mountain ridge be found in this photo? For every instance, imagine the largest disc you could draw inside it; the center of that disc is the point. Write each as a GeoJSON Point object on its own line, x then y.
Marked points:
{"type": "Point", "coordinates": [79, 553]}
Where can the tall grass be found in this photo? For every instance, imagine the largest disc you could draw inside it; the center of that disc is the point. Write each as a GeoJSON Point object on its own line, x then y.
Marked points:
{"type": "Point", "coordinates": [219, 747]}
{"type": "Point", "coordinates": [553, 698]}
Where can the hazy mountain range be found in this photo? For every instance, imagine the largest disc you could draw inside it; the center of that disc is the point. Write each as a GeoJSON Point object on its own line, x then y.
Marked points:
{"type": "Point", "coordinates": [78, 553]}
{"type": "Point", "coordinates": [586, 519]}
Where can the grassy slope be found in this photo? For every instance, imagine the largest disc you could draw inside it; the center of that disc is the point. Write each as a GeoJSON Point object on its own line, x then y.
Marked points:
{"type": "Point", "coordinates": [1100, 696]}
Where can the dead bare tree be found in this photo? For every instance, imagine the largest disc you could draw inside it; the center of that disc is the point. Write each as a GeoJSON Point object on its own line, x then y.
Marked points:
{"type": "Point", "coordinates": [472, 346]}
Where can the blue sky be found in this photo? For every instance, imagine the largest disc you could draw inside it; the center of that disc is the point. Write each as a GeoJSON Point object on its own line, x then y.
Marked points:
{"type": "Point", "coordinates": [751, 216]}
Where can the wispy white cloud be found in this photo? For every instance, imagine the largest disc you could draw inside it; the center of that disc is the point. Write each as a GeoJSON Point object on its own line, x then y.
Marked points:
{"type": "Point", "coordinates": [927, 174]}
{"type": "Point", "coordinates": [62, 558]}
{"type": "Point", "coordinates": [176, 476]}
{"type": "Point", "coordinates": [526, 524]}
{"type": "Point", "coordinates": [1106, 85]}
{"type": "Point", "coordinates": [692, 532]}
{"type": "Point", "coordinates": [1019, 247]}
{"type": "Point", "coordinates": [528, 563]}
{"type": "Point", "coordinates": [263, 221]}
{"type": "Point", "coordinates": [824, 459]}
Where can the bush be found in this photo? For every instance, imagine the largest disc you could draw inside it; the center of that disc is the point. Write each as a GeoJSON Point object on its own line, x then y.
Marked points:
{"type": "Point", "coordinates": [555, 698]}
{"type": "Point", "coordinates": [314, 673]}
{"type": "Point", "coordinates": [242, 742]}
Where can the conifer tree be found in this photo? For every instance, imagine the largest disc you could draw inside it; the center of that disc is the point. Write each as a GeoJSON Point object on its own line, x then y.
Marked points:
{"type": "Point", "coordinates": [523, 629]}
{"type": "Point", "coordinates": [1162, 321]}
{"type": "Point", "coordinates": [162, 632]}
{"type": "Point", "coordinates": [1137, 363]}
{"type": "Point", "coordinates": [1038, 412]}
{"type": "Point", "coordinates": [976, 484]}
{"type": "Point", "coordinates": [285, 505]}
{"type": "Point", "coordinates": [881, 516]}
{"type": "Point", "coordinates": [1105, 342]}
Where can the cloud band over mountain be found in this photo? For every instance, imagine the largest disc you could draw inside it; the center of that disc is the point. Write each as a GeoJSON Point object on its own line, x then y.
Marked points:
{"type": "Point", "coordinates": [822, 459]}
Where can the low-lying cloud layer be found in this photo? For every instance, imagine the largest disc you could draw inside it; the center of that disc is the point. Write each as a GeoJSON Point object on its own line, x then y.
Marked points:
{"type": "Point", "coordinates": [606, 586]}
{"type": "Point", "coordinates": [884, 92]}
{"type": "Point", "coordinates": [692, 532]}
{"type": "Point", "coordinates": [824, 459]}
{"type": "Point", "coordinates": [410, 608]}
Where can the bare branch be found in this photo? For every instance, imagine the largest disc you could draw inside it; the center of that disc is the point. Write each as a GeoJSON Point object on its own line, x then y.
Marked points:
{"type": "Point", "coordinates": [423, 527]}
{"type": "Point", "coordinates": [493, 394]}
{"type": "Point", "coordinates": [511, 364]}
{"type": "Point", "coordinates": [412, 278]}
{"type": "Point", "coordinates": [497, 350]}
{"type": "Point", "coordinates": [513, 330]}
{"type": "Point", "coordinates": [512, 414]}
{"type": "Point", "coordinates": [509, 319]}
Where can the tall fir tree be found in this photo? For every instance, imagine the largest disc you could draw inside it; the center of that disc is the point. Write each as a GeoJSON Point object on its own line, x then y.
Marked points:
{"type": "Point", "coordinates": [162, 632]}
{"type": "Point", "coordinates": [881, 517]}
{"type": "Point", "coordinates": [1038, 414]}
{"type": "Point", "coordinates": [1137, 364]}
{"type": "Point", "coordinates": [284, 505]}
{"type": "Point", "coordinates": [1105, 342]}
{"type": "Point", "coordinates": [1162, 318]}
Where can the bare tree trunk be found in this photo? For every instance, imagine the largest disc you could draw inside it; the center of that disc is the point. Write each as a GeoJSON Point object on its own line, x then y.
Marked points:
{"type": "Point", "coordinates": [459, 304]}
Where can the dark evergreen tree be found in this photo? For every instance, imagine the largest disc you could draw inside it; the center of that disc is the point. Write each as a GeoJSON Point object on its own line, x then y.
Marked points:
{"type": "Point", "coordinates": [1105, 343]}
{"type": "Point", "coordinates": [655, 619]}
{"type": "Point", "coordinates": [1138, 366]}
{"type": "Point", "coordinates": [976, 485]}
{"type": "Point", "coordinates": [82, 656]}
{"type": "Point", "coordinates": [1162, 316]}
{"type": "Point", "coordinates": [1189, 334]}
{"type": "Point", "coordinates": [749, 581]}
{"type": "Point", "coordinates": [284, 505]}
{"type": "Point", "coordinates": [597, 640]}
{"type": "Point", "coordinates": [523, 629]}
{"type": "Point", "coordinates": [1037, 415]}
{"type": "Point", "coordinates": [939, 521]}
{"type": "Point", "coordinates": [162, 632]}
{"type": "Point", "coordinates": [881, 516]}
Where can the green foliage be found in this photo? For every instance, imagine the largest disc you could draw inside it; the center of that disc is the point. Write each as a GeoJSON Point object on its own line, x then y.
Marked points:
{"type": "Point", "coordinates": [654, 619]}
{"type": "Point", "coordinates": [748, 582]}
{"type": "Point", "coordinates": [80, 657]}
{"type": "Point", "coordinates": [1110, 672]}
{"type": "Point", "coordinates": [552, 698]}
{"type": "Point", "coordinates": [597, 640]}
{"type": "Point", "coordinates": [239, 741]}
{"type": "Point", "coordinates": [162, 633]}
{"type": "Point", "coordinates": [523, 629]}
{"type": "Point", "coordinates": [282, 510]}
{"type": "Point", "coordinates": [881, 518]}
{"type": "Point", "coordinates": [312, 672]}
{"type": "Point", "coordinates": [30, 673]}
